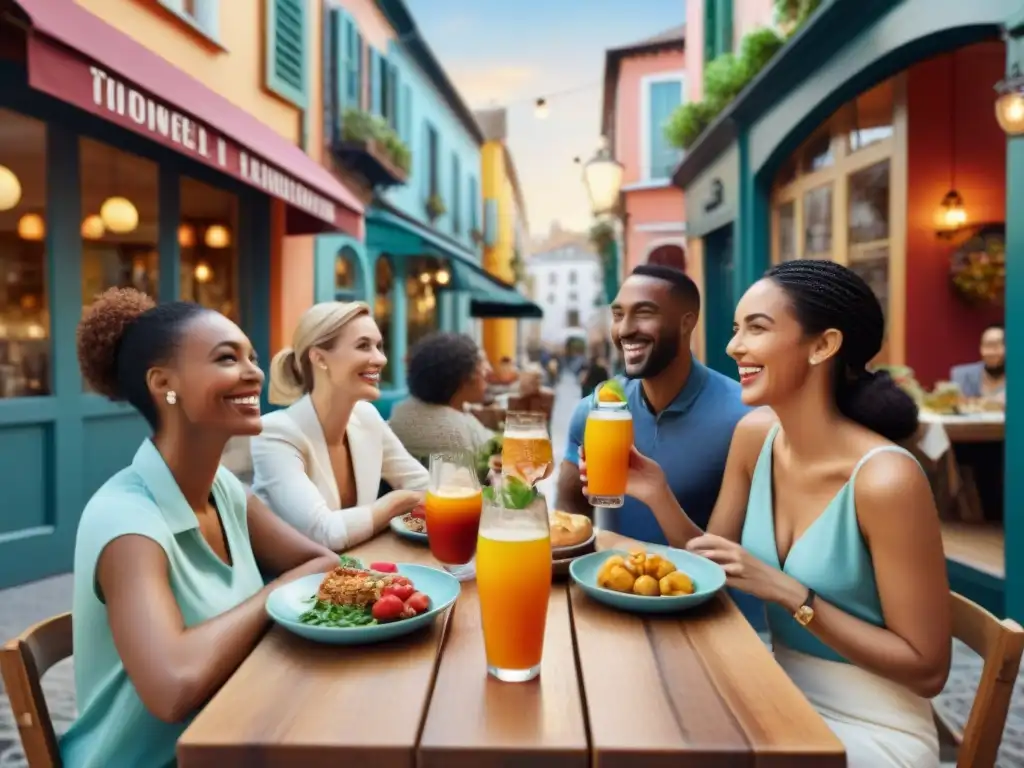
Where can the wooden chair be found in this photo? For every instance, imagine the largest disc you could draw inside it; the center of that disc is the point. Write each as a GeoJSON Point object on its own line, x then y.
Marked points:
{"type": "Point", "coordinates": [23, 662]}
{"type": "Point", "coordinates": [1000, 644]}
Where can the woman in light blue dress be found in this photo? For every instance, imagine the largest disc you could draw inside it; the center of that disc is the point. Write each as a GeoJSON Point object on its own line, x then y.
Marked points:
{"type": "Point", "coordinates": [169, 597]}
{"type": "Point", "coordinates": [825, 518]}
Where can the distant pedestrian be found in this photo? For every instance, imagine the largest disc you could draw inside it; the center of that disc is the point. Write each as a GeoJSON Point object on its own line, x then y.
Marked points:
{"type": "Point", "coordinates": [593, 374]}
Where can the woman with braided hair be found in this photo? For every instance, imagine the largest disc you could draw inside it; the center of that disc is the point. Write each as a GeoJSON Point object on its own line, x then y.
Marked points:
{"type": "Point", "coordinates": [825, 518]}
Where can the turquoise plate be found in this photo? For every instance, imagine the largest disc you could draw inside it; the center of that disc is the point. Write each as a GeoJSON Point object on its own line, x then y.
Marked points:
{"type": "Point", "coordinates": [398, 526]}
{"type": "Point", "coordinates": [708, 578]}
{"type": "Point", "coordinates": [288, 602]}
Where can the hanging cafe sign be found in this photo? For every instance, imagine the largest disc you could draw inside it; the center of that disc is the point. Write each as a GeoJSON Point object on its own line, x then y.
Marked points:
{"type": "Point", "coordinates": [95, 90]}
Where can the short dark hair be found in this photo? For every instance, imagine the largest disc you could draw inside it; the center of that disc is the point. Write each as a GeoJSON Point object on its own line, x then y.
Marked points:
{"type": "Point", "coordinates": [122, 335]}
{"type": "Point", "coordinates": [827, 295]}
{"type": "Point", "coordinates": [683, 287]}
{"type": "Point", "coordinates": [439, 364]}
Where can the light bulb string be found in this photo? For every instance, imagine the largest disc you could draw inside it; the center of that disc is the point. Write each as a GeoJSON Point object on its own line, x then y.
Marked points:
{"type": "Point", "coordinates": [546, 98]}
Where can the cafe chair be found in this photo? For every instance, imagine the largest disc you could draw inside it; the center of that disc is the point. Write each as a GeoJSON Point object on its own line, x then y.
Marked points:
{"type": "Point", "coordinates": [23, 662]}
{"type": "Point", "coordinates": [999, 644]}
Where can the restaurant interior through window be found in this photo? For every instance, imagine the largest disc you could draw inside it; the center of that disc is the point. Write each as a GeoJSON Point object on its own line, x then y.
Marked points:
{"type": "Point", "coordinates": [24, 310]}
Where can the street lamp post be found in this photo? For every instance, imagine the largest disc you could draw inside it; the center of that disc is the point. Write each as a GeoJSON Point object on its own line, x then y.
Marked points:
{"type": "Point", "coordinates": [602, 175]}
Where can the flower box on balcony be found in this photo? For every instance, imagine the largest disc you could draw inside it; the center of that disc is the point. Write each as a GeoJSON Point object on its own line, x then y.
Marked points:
{"type": "Point", "coordinates": [369, 147]}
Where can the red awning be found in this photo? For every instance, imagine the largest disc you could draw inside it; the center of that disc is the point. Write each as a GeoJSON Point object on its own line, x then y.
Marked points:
{"type": "Point", "coordinates": [79, 58]}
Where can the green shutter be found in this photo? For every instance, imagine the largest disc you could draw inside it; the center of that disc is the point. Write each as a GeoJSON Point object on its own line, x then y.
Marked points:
{"type": "Point", "coordinates": [393, 97]}
{"type": "Point", "coordinates": [724, 26]}
{"type": "Point", "coordinates": [286, 73]}
{"type": "Point", "coordinates": [339, 61]}
{"type": "Point", "coordinates": [374, 77]}
{"type": "Point", "coordinates": [710, 30]}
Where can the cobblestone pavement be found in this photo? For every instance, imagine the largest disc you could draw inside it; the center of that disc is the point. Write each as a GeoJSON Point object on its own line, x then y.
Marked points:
{"type": "Point", "coordinates": [22, 606]}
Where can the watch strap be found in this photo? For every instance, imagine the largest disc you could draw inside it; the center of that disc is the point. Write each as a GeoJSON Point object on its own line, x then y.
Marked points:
{"type": "Point", "coordinates": [811, 594]}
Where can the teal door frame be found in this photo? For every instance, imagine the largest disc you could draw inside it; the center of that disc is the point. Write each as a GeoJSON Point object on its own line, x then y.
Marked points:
{"type": "Point", "coordinates": [56, 450]}
{"type": "Point", "coordinates": [719, 298]}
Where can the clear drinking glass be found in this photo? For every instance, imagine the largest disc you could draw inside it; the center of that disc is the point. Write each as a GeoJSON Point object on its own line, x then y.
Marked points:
{"type": "Point", "coordinates": [513, 578]}
{"type": "Point", "coordinates": [526, 447]}
{"type": "Point", "coordinates": [453, 512]}
{"type": "Point", "coordinates": [606, 443]}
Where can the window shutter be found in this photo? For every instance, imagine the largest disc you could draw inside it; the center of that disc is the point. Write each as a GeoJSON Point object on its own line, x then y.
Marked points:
{"type": "Point", "coordinates": [339, 59]}
{"type": "Point", "coordinates": [710, 30]}
{"type": "Point", "coordinates": [287, 32]}
{"type": "Point", "coordinates": [490, 222]}
{"type": "Point", "coordinates": [393, 97]}
{"type": "Point", "coordinates": [724, 26]}
{"type": "Point", "coordinates": [354, 75]}
{"type": "Point", "coordinates": [374, 77]}
{"type": "Point", "coordinates": [474, 204]}
{"type": "Point", "coordinates": [456, 204]}
{"type": "Point", "coordinates": [407, 114]}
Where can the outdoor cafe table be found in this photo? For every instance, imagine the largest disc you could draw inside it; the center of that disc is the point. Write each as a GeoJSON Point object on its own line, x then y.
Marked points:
{"type": "Point", "coordinates": [615, 690]}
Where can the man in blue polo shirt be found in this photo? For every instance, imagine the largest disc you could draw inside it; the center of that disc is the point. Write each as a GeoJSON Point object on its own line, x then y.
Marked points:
{"type": "Point", "coordinates": [684, 413]}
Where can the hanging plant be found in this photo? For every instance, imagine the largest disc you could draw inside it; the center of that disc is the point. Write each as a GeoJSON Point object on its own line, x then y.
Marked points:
{"type": "Point", "coordinates": [435, 207]}
{"type": "Point", "coordinates": [601, 236]}
{"type": "Point", "coordinates": [978, 267]}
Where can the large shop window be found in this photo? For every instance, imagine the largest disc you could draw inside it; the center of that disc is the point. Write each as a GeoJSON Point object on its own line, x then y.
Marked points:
{"type": "Point", "coordinates": [208, 239]}
{"type": "Point", "coordinates": [421, 297]}
{"type": "Point", "coordinates": [832, 198]}
{"type": "Point", "coordinates": [383, 307]}
{"type": "Point", "coordinates": [24, 310]}
{"type": "Point", "coordinates": [119, 221]}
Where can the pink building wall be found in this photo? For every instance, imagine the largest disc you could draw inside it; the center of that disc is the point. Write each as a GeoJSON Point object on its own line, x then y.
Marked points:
{"type": "Point", "coordinates": [747, 15]}
{"type": "Point", "coordinates": [650, 203]}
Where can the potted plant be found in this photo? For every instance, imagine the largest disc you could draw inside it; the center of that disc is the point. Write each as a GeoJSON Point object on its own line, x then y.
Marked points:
{"type": "Point", "coordinates": [371, 135]}
{"type": "Point", "coordinates": [435, 207]}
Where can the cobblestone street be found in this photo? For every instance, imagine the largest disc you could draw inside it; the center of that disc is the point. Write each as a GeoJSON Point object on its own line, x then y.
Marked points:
{"type": "Point", "coordinates": [25, 605]}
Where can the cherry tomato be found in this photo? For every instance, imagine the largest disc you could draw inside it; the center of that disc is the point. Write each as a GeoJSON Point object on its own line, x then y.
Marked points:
{"type": "Point", "coordinates": [419, 511]}
{"type": "Point", "coordinates": [418, 602]}
{"type": "Point", "coordinates": [402, 591]}
{"type": "Point", "coordinates": [387, 608]}
{"type": "Point", "coordinates": [384, 567]}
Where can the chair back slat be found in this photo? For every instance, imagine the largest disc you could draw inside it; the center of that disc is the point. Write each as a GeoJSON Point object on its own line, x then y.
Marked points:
{"type": "Point", "coordinates": [1000, 644]}
{"type": "Point", "coordinates": [23, 662]}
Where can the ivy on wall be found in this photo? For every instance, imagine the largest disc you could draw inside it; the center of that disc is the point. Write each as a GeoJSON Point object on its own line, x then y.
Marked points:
{"type": "Point", "coordinates": [728, 74]}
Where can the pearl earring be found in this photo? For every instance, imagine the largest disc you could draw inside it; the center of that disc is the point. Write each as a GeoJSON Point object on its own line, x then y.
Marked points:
{"type": "Point", "coordinates": [322, 366]}
{"type": "Point", "coordinates": [171, 397]}
{"type": "Point", "coordinates": [813, 361]}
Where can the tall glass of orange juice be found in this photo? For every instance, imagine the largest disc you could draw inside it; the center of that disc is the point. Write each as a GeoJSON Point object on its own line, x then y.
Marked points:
{"type": "Point", "coordinates": [513, 578]}
{"type": "Point", "coordinates": [606, 443]}
{"type": "Point", "coordinates": [453, 512]}
{"type": "Point", "coordinates": [526, 447]}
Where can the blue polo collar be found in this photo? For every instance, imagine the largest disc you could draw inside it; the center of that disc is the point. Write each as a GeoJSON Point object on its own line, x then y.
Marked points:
{"type": "Point", "coordinates": [682, 402]}
{"type": "Point", "coordinates": [157, 477]}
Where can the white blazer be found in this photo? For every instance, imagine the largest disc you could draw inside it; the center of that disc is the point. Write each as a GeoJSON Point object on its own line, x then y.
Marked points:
{"type": "Point", "coordinates": [292, 472]}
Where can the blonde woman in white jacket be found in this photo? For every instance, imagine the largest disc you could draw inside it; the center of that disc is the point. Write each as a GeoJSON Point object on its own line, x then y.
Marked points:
{"type": "Point", "coordinates": [319, 462]}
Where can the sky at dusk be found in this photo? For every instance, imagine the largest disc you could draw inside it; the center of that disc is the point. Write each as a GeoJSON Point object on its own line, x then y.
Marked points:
{"type": "Point", "coordinates": [510, 52]}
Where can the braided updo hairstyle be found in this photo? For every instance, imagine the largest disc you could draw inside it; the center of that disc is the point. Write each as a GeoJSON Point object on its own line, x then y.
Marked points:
{"type": "Point", "coordinates": [122, 335]}
{"type": "Point", "coordinates": [827, 295]}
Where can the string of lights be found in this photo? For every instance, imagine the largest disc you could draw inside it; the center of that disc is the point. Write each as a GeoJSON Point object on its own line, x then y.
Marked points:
{"type": "Point", "coordinates": [542, 104]}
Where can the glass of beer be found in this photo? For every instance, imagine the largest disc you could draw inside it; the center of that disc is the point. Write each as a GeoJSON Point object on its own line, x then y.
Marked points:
{"type": "Point", "coordinates": [513, 578]}
{"type": "Point", "coordinates": [453, 512]}
{"type": "Point", "coordinates": [526, 448]}
{"type": "Point", "coordinates": [606, 443]}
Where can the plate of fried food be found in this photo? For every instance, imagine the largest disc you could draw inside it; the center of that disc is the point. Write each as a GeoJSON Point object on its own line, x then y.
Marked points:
{"type": "Point", "coordinates": [411, 525]}
{"type": "Point", "coordinates": [358, 605]}
{"type": "Point", "coordinates": [572, 536]}
{"type": "Point", "coordinates": [655, 580]}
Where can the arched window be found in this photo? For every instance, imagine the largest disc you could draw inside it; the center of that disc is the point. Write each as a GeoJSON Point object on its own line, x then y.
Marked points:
{"type": "Point", "coordinates": [346, 275]}
{"type": "Point", "coordinates": [670, 255]}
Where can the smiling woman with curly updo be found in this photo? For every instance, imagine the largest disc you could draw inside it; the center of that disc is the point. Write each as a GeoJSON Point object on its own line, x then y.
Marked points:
{"type": "Point", "coordinates": [168, 593]}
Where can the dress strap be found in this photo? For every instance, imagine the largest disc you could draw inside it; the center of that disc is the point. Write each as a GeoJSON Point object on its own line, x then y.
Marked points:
{"type": "Point", "coordinates": [882, 449]}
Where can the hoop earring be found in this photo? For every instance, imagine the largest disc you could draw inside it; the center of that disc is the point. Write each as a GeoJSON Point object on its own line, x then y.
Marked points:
{"type": "Point", "coordinates": [171, 397]}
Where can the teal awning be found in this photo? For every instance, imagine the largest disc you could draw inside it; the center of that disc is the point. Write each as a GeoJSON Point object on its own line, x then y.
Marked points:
{"type": "Point", "coordinates": [489, 296]}
{"type": "Point", "coordinates": [393, 233]}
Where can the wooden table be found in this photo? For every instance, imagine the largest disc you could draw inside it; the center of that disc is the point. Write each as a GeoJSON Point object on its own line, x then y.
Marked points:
{"type": "Point", "coordinates": [615, 690]}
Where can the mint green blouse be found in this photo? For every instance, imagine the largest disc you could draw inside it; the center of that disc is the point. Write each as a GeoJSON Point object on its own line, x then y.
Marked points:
{"type": "Point", "coordinates": [114, 728]}
{"type": "Point", "coordinates": [831, 556]}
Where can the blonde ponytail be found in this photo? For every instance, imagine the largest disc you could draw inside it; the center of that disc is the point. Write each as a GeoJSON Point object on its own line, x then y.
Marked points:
{"type": "Point", "coordinates": [287, 383]}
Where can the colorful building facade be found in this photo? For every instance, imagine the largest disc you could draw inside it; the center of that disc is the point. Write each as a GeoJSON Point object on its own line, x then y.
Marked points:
{"type": "Point", "coordinates": [505, 233]}
{"type": "Point", "coordinates": [644, 83]}
{"type": "Point", "coordinates": [871, 139]}
{"type": "Point", "coordinates": [395, 127]}
{"type": "Point", "coordinates": [153, 145]}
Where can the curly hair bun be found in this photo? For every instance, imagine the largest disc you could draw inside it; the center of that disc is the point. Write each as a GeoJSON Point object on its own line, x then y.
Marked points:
{"type": "Point", "coordinates": [100, 332]}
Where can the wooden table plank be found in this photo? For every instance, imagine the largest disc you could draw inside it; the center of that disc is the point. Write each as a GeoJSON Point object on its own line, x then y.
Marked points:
{"type": "Point", "coordinates": [475, 721]}
{"type": "Point", "coordinates": [294, 702]}
{"type": "Point", "coordinates": [702, 686]}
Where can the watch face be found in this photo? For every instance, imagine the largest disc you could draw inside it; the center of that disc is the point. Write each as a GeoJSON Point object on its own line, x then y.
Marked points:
{"type": "Point", "coordinates": [804, 615]}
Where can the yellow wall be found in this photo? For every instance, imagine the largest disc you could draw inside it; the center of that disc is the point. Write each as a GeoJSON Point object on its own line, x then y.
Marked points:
{"type": "Point", "coordinates": [499, 336]}
{"type": "Point", "coordinates": [234, 69]}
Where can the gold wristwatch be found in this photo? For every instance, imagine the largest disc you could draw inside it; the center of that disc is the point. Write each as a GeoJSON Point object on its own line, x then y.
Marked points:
{"type": "Point", "coordinates": [805, 613]}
